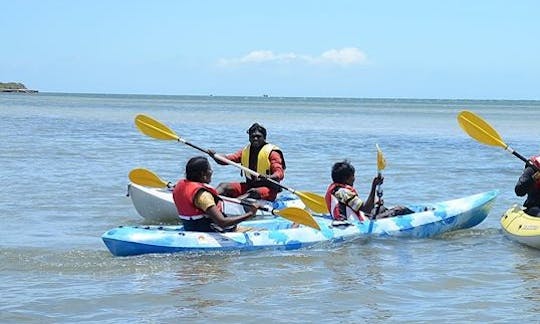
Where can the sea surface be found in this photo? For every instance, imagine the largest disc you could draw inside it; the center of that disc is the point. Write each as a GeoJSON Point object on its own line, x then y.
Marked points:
{"type": "Point", "coordinates": [64, 164]}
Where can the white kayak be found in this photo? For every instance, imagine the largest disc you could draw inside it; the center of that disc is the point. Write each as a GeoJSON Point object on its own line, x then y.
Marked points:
{"type": "Point", "coordinates": [156, 205]}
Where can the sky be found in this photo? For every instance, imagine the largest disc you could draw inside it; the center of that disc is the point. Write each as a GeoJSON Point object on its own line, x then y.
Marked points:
{"type": "Point", "coordinates": [473, 49]}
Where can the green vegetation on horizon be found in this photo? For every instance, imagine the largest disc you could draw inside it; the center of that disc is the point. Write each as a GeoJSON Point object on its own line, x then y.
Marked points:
{"type": "Point", "coordinates": [12, 85]}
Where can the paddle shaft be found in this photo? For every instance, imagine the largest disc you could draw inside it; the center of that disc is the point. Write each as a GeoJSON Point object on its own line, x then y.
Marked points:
{"type": "Point", "coordinates": [381, 164]}
{"type": "Point", "coordinates": [522, 158]}
{"type": "Point", "coordinates": [379, 195]}
{"type": "Point", "coordinates": [243, 168]}
{"type": "Point", "coordinates": [243, 203]}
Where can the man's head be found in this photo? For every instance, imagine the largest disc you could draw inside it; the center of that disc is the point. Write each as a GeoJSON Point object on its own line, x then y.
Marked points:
{"type": "Point", "coordinates": [343, 172]}
{"type": "Point", "coordinates": [257, 135]}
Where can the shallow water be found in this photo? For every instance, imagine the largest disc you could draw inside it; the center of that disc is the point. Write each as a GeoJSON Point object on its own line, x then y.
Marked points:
{"type": "Point", "coordinates": [65, 160]}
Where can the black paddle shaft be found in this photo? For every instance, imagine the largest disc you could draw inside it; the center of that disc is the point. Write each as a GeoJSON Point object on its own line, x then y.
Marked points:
{"type": "Point", "coordinates": [527, 162]}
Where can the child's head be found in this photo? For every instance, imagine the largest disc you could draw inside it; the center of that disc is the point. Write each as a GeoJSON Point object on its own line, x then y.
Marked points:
{"type": "Point", "coordinates": [343, 172]}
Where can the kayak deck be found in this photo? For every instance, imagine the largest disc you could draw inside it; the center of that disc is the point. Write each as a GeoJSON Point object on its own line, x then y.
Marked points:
{"type": "Point", "coordinates": [520, 227]}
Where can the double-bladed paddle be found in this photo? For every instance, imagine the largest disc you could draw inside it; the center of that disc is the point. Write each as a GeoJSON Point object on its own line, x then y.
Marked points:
{"type": "Point", "coordinates": [483, 132]}
{"type": "Point", "coordinates": [145, 177]}
{"type": "Point", "coordinates": [154, 128]}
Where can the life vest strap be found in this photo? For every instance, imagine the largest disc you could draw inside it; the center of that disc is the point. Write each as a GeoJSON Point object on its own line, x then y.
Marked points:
{"type": "Point", "coordinates": [196, 217]}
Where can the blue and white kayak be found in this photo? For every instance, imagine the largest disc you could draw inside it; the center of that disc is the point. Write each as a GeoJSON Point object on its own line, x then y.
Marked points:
{"type": "Point", "coordinates": [277, 233]}
{"type": "Point", "coordinates": [156, 205]}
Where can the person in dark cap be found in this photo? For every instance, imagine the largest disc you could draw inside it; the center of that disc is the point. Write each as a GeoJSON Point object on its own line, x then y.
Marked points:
{"type": "Point", "coordinates": [528, 185]}
{"type": "Point", "coordinates": [264, 158]}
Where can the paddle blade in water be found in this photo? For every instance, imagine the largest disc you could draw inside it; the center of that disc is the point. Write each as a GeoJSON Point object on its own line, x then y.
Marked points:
{"type": "Point", "coordinates": [299, 216]}
{"type": "Point", "coordinates": [313, 201]}
{"type": "Point", "coordinates": [145, 177]}
{"type": "Point", "coordinates": [479, 129]}
{"type": "Point", "coordinates": [381, 161]}
{"type": "Point", "coordinates": [154, 128]}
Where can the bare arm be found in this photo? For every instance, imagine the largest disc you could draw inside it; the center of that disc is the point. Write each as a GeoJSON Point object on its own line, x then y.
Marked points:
{"type": "Point", "coordinates": [235, 157]}
{"type": "Point", "coordinates": [368, 205]}
{"type": "Point", "coordinates": [205, 201]}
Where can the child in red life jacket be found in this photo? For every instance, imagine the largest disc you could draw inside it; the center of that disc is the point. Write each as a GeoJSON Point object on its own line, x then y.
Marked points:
{"type": "Point", "coordinates": [342, 198]}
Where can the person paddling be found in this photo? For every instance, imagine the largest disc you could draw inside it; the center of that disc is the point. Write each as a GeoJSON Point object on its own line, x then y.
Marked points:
{"type": "Point", "coordinates": [198, 204]}
{"type": "Point", "coordinates": [529, 184]}
{"type": "Point", "coordinates": [344, 203]}
{"type": "Point", "coordinates": [260, 156]}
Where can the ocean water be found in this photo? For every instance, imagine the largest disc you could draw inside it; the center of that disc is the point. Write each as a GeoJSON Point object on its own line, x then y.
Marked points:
{"type": "Point", "coordinates": [64, 161]}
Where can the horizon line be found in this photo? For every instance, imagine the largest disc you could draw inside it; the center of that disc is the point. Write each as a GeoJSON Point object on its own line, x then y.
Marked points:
{"type": "Point", "coordinates": [266, 96]}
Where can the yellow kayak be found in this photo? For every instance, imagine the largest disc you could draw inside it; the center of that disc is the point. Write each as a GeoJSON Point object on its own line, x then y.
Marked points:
{"type": "Point", "coordinates": [521, 227]}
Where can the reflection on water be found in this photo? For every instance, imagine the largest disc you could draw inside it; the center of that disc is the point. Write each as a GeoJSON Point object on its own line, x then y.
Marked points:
{"type": "Point", "coordinates": [190, 279]}
{"type": "Point", "coordinates": [527, 269]}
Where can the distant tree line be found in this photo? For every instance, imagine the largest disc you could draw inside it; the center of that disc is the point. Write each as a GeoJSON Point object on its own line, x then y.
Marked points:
{"type": "Point", "coordinates": [12, 85]}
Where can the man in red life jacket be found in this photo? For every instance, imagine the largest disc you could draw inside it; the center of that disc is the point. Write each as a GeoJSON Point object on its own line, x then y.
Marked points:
{"type": "Point", "coordinates": [529, 184]}
{"type": "Point", "coordinates": [198, 204]}
{"type": "Point", "coordinates": [343, 202]}
{"type": "Point", "coordinates": [261, 157]}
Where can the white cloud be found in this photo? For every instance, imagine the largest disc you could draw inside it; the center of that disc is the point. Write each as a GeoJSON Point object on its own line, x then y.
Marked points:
{"type": "Point", "coordinates": [344, 56]}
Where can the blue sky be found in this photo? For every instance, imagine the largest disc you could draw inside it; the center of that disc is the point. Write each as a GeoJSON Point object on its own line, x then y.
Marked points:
{"type": "Point", "coordinates": [363, 49]}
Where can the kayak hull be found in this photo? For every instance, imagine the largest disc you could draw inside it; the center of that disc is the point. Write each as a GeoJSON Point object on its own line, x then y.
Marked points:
{"type": "Point", "coordinates": [520, 227]}
{"type": "Point", "coordinates": [277, 233]}
{"type": "Point", "coordinates": [156, 205]}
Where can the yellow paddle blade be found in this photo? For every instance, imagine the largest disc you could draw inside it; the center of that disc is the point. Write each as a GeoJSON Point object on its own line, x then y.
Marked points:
{"type": "Point", "coordinates": [313, 201]}
{"type": "Point", "coordinates": [154, 128]}
{"type": "Point", "coordinates": [479, 129]}
{"type": "Point", "coordinates": [381, 161]}
{"type": "Point", "coordinates": [299, 216]}
{"type": "Point", "coordinates": [145, 177]}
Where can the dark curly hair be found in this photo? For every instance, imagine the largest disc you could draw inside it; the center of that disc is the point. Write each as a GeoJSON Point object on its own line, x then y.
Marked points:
{"type": "Point", "coordinates": [341, 171]}
{"type": "Point", "coordinates": [196, 167]}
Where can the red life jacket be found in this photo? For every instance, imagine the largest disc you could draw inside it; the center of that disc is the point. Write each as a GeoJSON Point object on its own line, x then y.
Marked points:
{"type": "Point", "coordinates": [339, 210]}
{"type": "Point", "coordinates": [184, 194]}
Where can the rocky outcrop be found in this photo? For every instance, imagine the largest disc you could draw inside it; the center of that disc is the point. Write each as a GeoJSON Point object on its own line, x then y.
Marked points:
{"type": "Point", "coordinates": [15, 87]}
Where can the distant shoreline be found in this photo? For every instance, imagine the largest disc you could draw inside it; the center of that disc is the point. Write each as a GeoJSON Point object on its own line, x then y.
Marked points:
{"type": "Point", "coordinates": [276, 97]}
{"type": "Point", "coordinates": [273, 97]}
{"type": "Point", "coordinates": [16, 87]}
{"type": "Point", "coordinates": [19, 90]}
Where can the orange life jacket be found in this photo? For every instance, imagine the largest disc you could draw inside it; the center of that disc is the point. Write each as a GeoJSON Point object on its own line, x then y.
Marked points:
{"type": "Point", "coordinates": [184, 194]}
